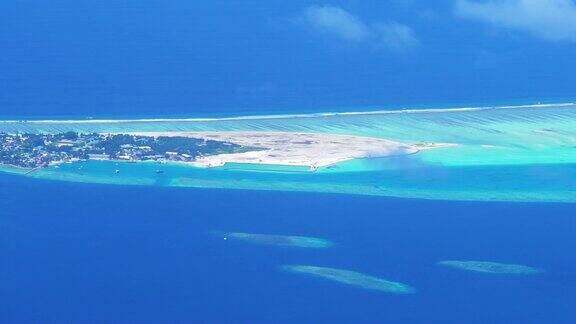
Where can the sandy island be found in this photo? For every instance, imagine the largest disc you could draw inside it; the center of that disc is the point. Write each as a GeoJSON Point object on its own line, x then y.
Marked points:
{"type": "Point", "coordinates": [297, 149]}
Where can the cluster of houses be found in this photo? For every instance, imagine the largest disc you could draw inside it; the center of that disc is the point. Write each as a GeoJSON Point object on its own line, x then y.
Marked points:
{"type": "Point", "coordinates": [134, 152]}
{"type": "Point", "coordinates": [35, 151]}
{"type": "Point", "coordinates": [42, 150]}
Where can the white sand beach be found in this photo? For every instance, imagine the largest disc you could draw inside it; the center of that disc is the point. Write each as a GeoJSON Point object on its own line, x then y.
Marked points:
{"type": "Point", "coordinates": [297, 149]}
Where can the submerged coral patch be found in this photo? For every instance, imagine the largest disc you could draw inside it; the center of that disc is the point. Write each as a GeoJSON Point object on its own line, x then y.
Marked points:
{"type": "Point", "coordinates": [490, 267]}
{"type": "Point", "coordinates": [352, 278]}
{"type": "Point", "coordinates": [280, 240]}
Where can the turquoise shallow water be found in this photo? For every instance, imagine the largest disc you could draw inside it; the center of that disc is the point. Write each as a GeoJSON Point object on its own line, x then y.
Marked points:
{"type": "Point", "coordinates": [504, 154]}
{"type": "Point", "coordinates": [500, 183]}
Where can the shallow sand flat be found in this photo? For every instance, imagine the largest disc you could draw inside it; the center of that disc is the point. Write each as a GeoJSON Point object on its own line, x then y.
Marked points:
{"type": "Point", "coordinates": [298, 149]}
{"type": "Point", "coordinates": [279, 240]}
{"type": "Point", "coordinates": [352, 278]}
{"type": "Point", "coordinates": [490, 267]}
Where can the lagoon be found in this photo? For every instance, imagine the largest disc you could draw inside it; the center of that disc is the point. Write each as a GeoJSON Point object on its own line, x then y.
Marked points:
{"type": "Point", "coordinates": [518, 153]}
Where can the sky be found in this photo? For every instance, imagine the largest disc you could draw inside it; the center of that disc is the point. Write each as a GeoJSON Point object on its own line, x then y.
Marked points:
{"type": "Point", "coordinates": [187, 58]}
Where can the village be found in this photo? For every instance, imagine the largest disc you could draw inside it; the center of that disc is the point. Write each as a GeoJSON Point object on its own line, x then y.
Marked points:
{"type": "Point", "coordinates": [42, 150]}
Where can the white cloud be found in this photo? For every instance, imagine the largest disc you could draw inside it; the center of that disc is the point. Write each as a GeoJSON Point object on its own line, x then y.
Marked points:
{"type": "Point", "coordinates": [553, 20]}
{"type": "Point", "coordinates": [337, 22]}
{"type": "Point", "coordinates": [395, 36]}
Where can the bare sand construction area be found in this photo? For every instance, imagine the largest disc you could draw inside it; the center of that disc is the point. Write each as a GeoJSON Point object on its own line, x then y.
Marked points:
{"type": "Point", "coordinates": [313, 150]}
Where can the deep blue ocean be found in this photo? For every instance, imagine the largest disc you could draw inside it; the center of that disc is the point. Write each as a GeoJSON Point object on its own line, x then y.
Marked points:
{"type": "Point", "coordinates": [212, 57]}
{"type": "Point", "coordinates": [81, 253]}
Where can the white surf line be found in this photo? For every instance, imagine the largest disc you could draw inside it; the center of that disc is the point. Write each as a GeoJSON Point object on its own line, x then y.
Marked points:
{"type": "Point", "coordinates": [285, 116]}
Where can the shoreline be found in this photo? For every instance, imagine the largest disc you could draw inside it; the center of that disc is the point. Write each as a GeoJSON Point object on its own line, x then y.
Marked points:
{"type": "Point", "coordinates": [289, 149]}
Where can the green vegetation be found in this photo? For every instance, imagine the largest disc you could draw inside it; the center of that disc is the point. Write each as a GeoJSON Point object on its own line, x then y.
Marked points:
{"type": "Point", "coordinates": [41, 150]}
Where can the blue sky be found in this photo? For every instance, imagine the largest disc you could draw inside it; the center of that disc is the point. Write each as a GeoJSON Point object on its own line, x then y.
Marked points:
{"type": "Point", "coordinates": [175, 57]}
